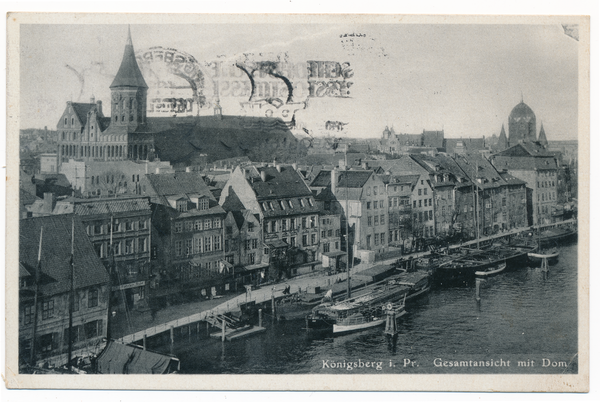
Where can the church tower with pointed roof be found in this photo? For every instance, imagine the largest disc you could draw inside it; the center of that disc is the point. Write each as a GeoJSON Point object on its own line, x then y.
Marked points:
{"type": "Point", "coordinates": [128, 93]}
{"type": "Point", "coordinates": [502, 140]}
{"type": "Point", "coordinates": [542, 138]}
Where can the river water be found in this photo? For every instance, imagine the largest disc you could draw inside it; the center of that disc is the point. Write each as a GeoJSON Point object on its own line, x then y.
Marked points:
{"type": "Point", "coordinates": [525, 323]}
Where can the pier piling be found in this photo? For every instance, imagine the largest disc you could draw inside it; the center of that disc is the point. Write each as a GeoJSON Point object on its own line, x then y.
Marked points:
{"type": "Point", "coordinates": [260, 317]}
{"type": "Point", "coordinates": [144, 344]}
{"type": "Point", "coordinates": [223, 326]}
{"type": "Point", "coordinates": [477, 287]}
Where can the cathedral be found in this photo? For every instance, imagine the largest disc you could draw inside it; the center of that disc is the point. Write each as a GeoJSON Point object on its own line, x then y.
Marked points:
{"type": "Point", "coordinates": [521, 128]}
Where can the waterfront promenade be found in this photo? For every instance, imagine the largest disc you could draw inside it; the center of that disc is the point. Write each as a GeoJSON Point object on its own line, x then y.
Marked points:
{"type": "Point", "coordinates": [140, 324]}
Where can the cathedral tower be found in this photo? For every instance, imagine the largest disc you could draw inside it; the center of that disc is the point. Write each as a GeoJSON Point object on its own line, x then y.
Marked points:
{"type": "Point", "coordinates": [128, 93]}
{"type": "Point", "coordinates": [521, 124]}
{"type": "Point", "coordinates": [542, 138]}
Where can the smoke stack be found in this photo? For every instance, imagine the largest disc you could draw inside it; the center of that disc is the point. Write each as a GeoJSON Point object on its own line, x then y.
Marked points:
{"type": "Point", "coordinates": [263, 175]}
{"type": "Point", "coordinates": [335, 174]}
{"type": "Point", "coordinates": [49, 202]}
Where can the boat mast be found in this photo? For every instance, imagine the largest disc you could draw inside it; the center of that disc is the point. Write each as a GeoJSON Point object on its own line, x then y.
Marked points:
{"type": "Point", "coordinates": [72, 263]}
{"type": "Point", "coordinates": [476, 203]}
{"type": "Point", "coordinates": [348, 262]}
{"type": "Point", "coordinates": [111, 263]}
{"type": "Point", "coordinates": [38, 268]}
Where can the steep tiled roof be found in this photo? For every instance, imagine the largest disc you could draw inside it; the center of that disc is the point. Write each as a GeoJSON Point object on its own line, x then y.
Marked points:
{"type": "Point", "coordinates": [526, 148]}
{"type": "Point", "coordinates": [56, 253]}
{"type": "Point", "coordinates": [129, 74]}
{"type": "Point", "coordinates": [346, 178]}
{"type": "Point", "coordinates": [512, 180]}
{"type": "Point", "coordinates": [402, 166]}
{"type": "Point", "coordinates": [523, 163]}
{"type": "Point", "coordinates": [232, 202]}
{"type": "Point", "coordinates": [433, 138]}
{"type": "Point", "coordinates": [284, 184]}
{"type": "Point", "coordinates": [26, 198]}
{"type": "Point", "coordinates": [112, 206]}
{"type": "Point", "coordinates": [478, 168]}
{"type": "Point", "coordinates": [81, 110]}
{"type": "Point", "coordinates": [166, 184]}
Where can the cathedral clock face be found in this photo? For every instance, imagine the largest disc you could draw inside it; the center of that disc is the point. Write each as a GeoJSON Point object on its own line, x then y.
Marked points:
{"type": "Point", "coordinates": [116, 97]}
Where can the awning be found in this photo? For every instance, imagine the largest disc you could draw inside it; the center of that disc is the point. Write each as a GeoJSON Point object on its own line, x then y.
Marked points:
{"type": "Point", "coordinates": [334, 253]}
{"type": "Point", "coordinates": [277, 243]}
{"type": "Point", "coordinates": [118, 358]}
{"type": "Point", "coordinates": [254, 267]}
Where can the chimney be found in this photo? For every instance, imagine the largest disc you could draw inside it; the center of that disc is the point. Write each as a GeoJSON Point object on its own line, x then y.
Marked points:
{"type": "Point", "coordinates": [335, 174]}
{"type": "Point", "coordinates": [188, 169]}
{"type": "Point", "coordinates": [295, 166]}
{"type": "Point", "coordinates": [263, 175]}
{"type": "Point", "coordinates": [99, 105]}
{"type": "Point", "coordinates": [49, 202]}
{"type": "Point", "coordinates": [278, 167]}
{"type": "Point", "coordinates": [157, 170]}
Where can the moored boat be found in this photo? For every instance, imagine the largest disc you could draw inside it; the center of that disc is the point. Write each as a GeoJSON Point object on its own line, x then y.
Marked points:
{"type": "Point", "coordinates": [538, 256]}
{"type": "Point", "coordinates": [357, 313]}
{"type": "Point", "coordinates": [491, 271]}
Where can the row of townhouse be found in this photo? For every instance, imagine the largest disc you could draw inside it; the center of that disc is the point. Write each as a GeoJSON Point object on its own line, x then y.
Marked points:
{"type": "Point", "coordinates": [421, 196]}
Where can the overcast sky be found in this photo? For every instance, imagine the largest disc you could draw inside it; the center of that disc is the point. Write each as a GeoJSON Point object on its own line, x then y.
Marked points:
{"type": "Point", "coordinates": [463, 78]}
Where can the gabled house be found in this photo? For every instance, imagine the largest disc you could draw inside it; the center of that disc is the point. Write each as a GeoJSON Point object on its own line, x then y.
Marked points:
{"type": "Point", "coordinates": [187, 238]}
{"type": "Point", "coordinates": [288, 214]}
{"type": "Point", "coordinates": [48, 320]}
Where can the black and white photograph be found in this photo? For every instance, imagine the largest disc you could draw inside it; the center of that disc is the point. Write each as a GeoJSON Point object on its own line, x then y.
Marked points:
{"type": "Point", "coordinates": [355, 198]}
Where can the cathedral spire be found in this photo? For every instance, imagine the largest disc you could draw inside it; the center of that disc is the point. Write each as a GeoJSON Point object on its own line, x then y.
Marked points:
{"type": "Point", "coordinates": [542, 137]}
{"type": "Point", "coordinates": [129, 74]}
{"type": "Point", "coordinates": [502, 140]}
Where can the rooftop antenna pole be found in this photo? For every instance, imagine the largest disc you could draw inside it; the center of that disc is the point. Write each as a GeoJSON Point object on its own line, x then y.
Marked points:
{"type": "Point", "coordinates": [348, 262]}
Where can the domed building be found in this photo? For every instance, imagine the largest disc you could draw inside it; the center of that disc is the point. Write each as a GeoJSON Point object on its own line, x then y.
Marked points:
{"type": "Point", "coordinates": [521, 124]}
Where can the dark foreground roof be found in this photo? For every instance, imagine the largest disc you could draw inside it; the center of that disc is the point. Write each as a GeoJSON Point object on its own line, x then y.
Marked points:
{"type": "Point", "coordinates": [118, 358]}
{"type": "Point", "coordinates": [56, 253]}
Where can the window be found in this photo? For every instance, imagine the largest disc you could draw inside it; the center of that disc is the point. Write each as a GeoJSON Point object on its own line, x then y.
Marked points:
{"type": "Point", "coordinates": [395, 202]}
{"type": "Point", "coordinates": [368, 204]}
{"type": "Point", "coordinates": [273, 226]}
{"type": "Point", "coordinates": [368, 241]}
{"type": "Point", "coordinates": [263, 205]}
{"type": "Point", "coordinates": [281, 205]}
{"type": "Point", "coordinates": [310, 202]}
{"type": "Point", "coordinates": [303, 223]}
{"type": "Point", "coordinates": [503, 202]}
{"type": "Point", "coordinates": [292, 223]}
{"type": "Point", "coordinates": [266, 251]}
{"type": "Point", "coordinates": [270, 204]}
{"type": "Point", "coordinates": [381, 204]}
{"type": "Point", "coordinates": [129, 247]}
{"type": "Point", "coordinates": [382, 238]}
{"type": "Point", "coordinates": [368, 190]}
{"type": "Point", "coordinates": [198, 245]}
{"type": "Point", "coordinates": [207, 244]}
{"type": "Point", "coordinates": [46, 342]}
{"type": "Point", "coordinates": [181, 205]}
{"type": "Point", "coordinates": [251, 258]}
{"type": "Point", "coordinates": [98, 228]}
{"type": "Point", "coordinates": [178, 227]}
{"type": "Point", "coordinates": [313, 221]}
{"type": "Point", "coordinates": [304, 240]}
{"type": "Point", "coordinates": [198, 224]}
{"type": "Point", "coordinates": [313, 239]}
{"type": "Point", "coordinates": [188, 247]}
{"type": "Point", "coordinates": [284, 225]}
{"type": "Point", "coordinates": [117, 247]}
{"type": "Point", "coordinates": [337, 245]}
{"type": "Point", "coordinates": [207, 224]}
{"type": "Point", "coordinates": [415, 204]}
{"type": "Point", "coordinates": [143, 244]}
{"type": "Point", "coordinates": [203, 204]}
{"type": "Point", "coordinates": [375, 190]}
{"type": "Point", "coordinates": [430, 215]}
{"type": "Point", "coordinates": [217, 223]}
{"type": "Point", "coordinates": [369, 221]}
{"type": "Point", "coordinates": [420, 216]}
{"type": "Point", "coordinates": [330, 233]}
{"type": "Point", "coordinates": [323, 234]}
{"type": "Point", "coordinates": [189, 226]}
{"type": "Point", "coordinates": [376, 238]}
{"type": "Point", "coordinates": [376, 220]}
{"type": "Point", "coordinates": [254, 244]}
{"type": "Point", "coordinates": [443, 211]}
{"type": "Point", "coordinates": [290, 203]}
{"type": "Point", "coordinates": [419, 203]}
{"type": "Point", "coordinates": [375, 205]}
{"type": "Point", "coordinates": [28, 315]}
{"type": "Point", "coordinates": [93, 329]}
{"type": "Point", "coordinates": [92, 298]}
{"type": "Point", "coordinates": [389, 203]}
{"type": "Point", "coordinates": [301, 202]}
{"type": "Point", "coordinates": [178, 248]}
{"type": "Point", "coordinates": [250, 226]}
{"type": "Point", "coordinates": [382, 219]}
{"type": "Point", "coordinates": [293, 241]}
{"type": "Point", "coordinates": [325, 247]}
{"type": "Point", "coordinates": [419, 191]}
{"type": "Point", "coordinates": [217, 245]}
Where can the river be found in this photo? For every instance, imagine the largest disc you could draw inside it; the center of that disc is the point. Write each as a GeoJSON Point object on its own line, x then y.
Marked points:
{"type": "Point", "coordinates": [525, 323]}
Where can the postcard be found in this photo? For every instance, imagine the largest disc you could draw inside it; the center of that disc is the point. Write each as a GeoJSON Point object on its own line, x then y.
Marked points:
{"type": "Point", "coordinates": [297, 202]}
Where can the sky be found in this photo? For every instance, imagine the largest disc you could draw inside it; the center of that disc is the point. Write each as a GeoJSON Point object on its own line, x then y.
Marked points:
{"type": "Point", "coordinates": [464, 79]}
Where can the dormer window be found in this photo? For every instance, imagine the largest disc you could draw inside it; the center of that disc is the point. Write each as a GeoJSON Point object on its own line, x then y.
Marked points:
{"type": "Point", "coordinates": [72, 121]}
{"type": "Point", "coordinates": [281, 205]}
{"type": "Point", "coordinates": [264, 206]}
{"type": "Point", "coordinates": [203, 204]}
{"type": "Point", "coordinates": [301, 202]}
{"type": "Point", "coordinates": [270, 205]}
{"type": "Point", "coordinates": [181, 205]}
{"type": "Point", "coordinates": [310, 202]}
{"type": "Point", "coordinates": [66, 121]}
{"type": "Point", "coordinates": [290, 204]}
